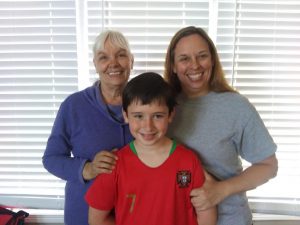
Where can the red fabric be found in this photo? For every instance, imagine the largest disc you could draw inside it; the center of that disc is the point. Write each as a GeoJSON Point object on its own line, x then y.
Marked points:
{"type": "Point", "coordinates": [144, 195]}
{"type": "Point", "coordinates": [8, 217]}
{"type": "Point", "coordinates": [5, 215]}
{"type": "Point", "coordinates": [4, 219]}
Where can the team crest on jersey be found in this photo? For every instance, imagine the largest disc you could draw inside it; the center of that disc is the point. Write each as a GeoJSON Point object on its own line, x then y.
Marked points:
{"type": "Point", "coordinates": [183, 178]}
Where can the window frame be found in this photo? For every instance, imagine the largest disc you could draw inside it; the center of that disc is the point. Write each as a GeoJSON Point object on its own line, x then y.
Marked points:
{"type": "Point", "coordinates": [276, 206]}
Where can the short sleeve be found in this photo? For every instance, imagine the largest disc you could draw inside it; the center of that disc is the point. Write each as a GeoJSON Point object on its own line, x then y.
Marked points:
{"type": "Point", "coordinates": [256, 142]}
{"type": "Point", "coordinates": [102, 193]}
{"type": "Point", "coordinates": [199, 177]}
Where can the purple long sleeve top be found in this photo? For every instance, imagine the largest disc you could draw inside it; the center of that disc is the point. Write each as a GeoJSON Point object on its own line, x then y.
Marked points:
{"type": "Point", "coordinates": [83, 127]}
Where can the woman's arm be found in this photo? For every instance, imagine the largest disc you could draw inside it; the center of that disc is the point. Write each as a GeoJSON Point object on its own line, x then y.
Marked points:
{"type": "Point", "coordinates": [100, 217]}
{"type": "Point", "coordinates": [213, 192]}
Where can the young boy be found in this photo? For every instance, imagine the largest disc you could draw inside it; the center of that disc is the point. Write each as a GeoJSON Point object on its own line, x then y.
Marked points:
{"type": "Point", "coordinates": [154, 175]}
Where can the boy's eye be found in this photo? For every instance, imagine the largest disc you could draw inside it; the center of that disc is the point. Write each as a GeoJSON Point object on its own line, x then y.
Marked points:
{"type": "Point", "coordinates": [158, 116]}
{"type": "Point", "coordinates": [137, 116]}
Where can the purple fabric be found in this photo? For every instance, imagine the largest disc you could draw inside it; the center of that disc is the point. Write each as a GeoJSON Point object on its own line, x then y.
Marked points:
{"type": "Point", "coordinates": [82, 128]}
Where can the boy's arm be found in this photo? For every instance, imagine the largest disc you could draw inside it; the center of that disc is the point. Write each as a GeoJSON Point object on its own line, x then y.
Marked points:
{"type": "Point", "coordinates": [207, 217]}
{"type": "Point", "coordinates": [100, 217]}
{"type": "Point", "coordinates": [210, 215]}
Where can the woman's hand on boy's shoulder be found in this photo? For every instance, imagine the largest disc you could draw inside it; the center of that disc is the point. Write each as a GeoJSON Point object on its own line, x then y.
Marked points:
{"type": "Point", "coordinates": [103, 162]}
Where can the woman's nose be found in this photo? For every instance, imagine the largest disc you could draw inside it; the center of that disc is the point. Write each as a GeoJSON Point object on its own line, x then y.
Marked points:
{"type": "Point", "coordinates": [113, 61]}
{"type": "Point", "coordinates": [195, 63]}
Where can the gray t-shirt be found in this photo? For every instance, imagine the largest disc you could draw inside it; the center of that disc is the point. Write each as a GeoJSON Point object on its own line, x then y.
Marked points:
{"type": "Point", "coordinates": [222, 127]}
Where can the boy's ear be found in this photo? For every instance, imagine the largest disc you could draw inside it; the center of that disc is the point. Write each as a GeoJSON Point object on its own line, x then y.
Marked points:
{"type": "Point", "coordinates": [171, 116]}
{"type": "Point", "coordinates": [125, 116]}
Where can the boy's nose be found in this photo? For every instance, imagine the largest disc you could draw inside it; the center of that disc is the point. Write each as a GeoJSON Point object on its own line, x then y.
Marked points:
{"type": "Point", "coordinates": [148, 124]}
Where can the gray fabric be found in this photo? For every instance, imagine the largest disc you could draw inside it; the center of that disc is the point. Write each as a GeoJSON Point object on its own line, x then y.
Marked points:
{"type": "Point", "coordinates": [222, 127]}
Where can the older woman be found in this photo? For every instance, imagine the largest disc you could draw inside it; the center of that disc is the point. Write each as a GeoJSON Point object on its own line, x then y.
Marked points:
{"type": "Point", "coordinates": [220, 124]}
{"type": "Point", "coordinates": [89, 122]}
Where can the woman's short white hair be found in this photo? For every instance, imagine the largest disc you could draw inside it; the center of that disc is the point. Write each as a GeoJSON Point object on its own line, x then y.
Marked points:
{"type": "Point", "coordinates": [115, 37]}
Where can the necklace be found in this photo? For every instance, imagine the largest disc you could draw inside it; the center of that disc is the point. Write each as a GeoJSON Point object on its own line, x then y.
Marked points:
{"type": "Point", "coordinates": [112, 114]}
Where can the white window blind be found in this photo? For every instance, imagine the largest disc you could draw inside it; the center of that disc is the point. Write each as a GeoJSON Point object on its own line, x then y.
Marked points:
{"type": "Point", "coordinates": [148, 25]}
{"type": "Point", "coordinates": [266, 70]}
{"type": "Point", "coordinates": [223, 34]}
{"type": "Point", "coordinates": [38, 69]}
{"type": "Point", "coordinates": [259, 47]}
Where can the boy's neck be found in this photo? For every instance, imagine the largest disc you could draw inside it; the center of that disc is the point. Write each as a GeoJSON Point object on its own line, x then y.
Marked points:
{"type": "Point", "coordinates": [154, 155]}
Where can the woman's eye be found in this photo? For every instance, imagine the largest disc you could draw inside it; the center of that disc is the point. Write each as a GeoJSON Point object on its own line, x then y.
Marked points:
{"type": "Point", "coordinates": [101, 58]}
{"type": "Point", "coordinates": [183, 59]}
{"type": "Point", "coordinates": [123, 55]}
{"type": "Point", "coordinates": [203, 55]}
